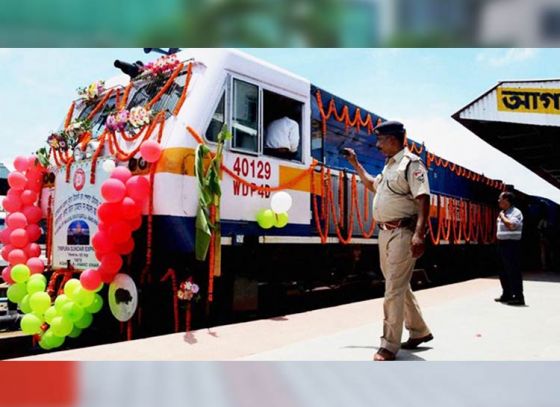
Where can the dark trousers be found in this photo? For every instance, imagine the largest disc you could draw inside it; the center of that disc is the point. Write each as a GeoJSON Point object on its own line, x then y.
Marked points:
{"type": "Point", "coordinates": [510, 275]}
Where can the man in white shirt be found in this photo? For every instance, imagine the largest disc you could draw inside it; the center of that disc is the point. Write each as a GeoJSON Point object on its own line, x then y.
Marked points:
{"type": "Point", "coordinates": [282, 138]}
{"type": "Point", "coordinates": [509, 231]}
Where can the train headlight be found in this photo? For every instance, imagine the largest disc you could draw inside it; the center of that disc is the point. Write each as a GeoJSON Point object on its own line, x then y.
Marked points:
{"type": "Point", "coordinates": [91, 148]}
{"type": "Point", "coordinates": [78, 153]}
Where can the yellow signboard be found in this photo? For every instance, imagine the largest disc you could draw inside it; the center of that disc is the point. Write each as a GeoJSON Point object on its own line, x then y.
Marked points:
{"type": "Point", "coordinates": [528, 100]}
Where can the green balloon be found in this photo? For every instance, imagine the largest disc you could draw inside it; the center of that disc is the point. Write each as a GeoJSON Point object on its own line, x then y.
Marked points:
{"type": "Point", "coordinates": [72, 311]}
{"type": "Point", "coordinates": [96, 305]}
{"type": "Point", "coordinates": [82, 297]}
{"type": "Point", "coordinates": [39, 277]}
{"type": "Point", "coordinates": [281, 219]}
{"type": "Point", "coordinates": [31, 324]}
{"type": "Point", "coordinates": [60, 301]}
{"type": "Point", "coordinates": [50, 314]}
{"type": "Point", "coordinates": [61, 326]}
{"type": "Point", "coordinates": [266, 218]}
{"type": "Point", "coordinates": [40, 302]}
{"type": "Point", "coordinates": [75, 332]}
{"type": "Point", "coordinates": [85, 321]}
{"type": "Point", "coordinates": [24, 305]}
{"type": "Point", "coordinates": [43, 344]}
{"type": "Point", "coordinates": [52, 340]}
{"type": "Point", "coordinates": [16, 292]}
{"type": "Point", "coordinates": [20, 273]}
{"type": "Point", "coordinates": [36, 285]}
{"type": "Point", "coordinates": [71, 286]}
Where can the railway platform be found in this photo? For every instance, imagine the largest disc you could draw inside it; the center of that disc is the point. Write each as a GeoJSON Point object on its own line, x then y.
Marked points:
{"type": "Point", "coordinates": [467, 323]}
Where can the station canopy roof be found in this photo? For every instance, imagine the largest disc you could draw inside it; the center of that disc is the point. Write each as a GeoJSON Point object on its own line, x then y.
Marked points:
{"type": "Point", "coordinates": [521, 119]}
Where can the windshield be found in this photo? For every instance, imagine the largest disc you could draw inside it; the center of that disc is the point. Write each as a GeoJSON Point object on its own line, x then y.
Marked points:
{"type": "Point", "coordinates": [97, 121]}
{"type": "Point", "coordinates": [169, 99]}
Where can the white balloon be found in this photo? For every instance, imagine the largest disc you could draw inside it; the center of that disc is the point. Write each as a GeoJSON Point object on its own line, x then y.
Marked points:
{"type": "Point", "coordinates": [281, 202]}
{"type": "Point", "coordinates": [109, 166]}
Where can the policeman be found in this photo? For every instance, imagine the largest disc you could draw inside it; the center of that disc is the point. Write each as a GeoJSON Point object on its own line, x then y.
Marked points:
{"type": "Point", "coordinates": [400, 207]}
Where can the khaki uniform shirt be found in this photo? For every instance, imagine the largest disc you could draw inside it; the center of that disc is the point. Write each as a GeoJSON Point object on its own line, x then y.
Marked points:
{"type": "Point", "coordinates": [395, 196]}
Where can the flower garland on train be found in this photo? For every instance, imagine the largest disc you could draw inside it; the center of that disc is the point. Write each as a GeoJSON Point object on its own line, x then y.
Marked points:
{"type": "Point", "coordinates": [52, 316]}
{"type": "Point", "coordinates": [456, 219]}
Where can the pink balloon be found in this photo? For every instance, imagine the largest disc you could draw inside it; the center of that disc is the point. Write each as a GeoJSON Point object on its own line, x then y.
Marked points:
{"type": "Point", "coordinates": [150, 151]}
{"type": "Point", "coordinates": [14, 193]}
{"type": "Point", "coordinates": [28, 197]}
{"type": "Point", "coordinates": [130, 209]}
{"type": "Point", "coordinates": [34, 232]}
{"type": "Point", "coordinates": [101, 242]}
{"type": "Point", "coordinates": [5, 252]}
{"type": "Point", "coordinates": [36, 265]}
{"type": "Point", "coordinates": [109, 212]}
{"type": "Point", "coordinates": [111, 263]}
{"type": "Point", "coordinates": [90, 279]}
{"type": "Point", "coordinates": [113, 190]}
{"type": "Point", "coordinates": [17, 180]}
{"type": "Point", "coordinates": [32, 250]}
{"type": "Point", "coordinates": [11, 204]}
{"type": "Point", "coordinates": [21, 164]}
{"type": "Point", "coordinates": [138, 188]}
{"type": "Point", "coordinates": [19, 238]}
{"type": "Point", "coordinates": [6, 275]}
{"type": "Point", "coordinates": [17, 256]}
{"type": "Point", "coordinates": [16, 220]}
{"type": "Point", "coordinates": [126, 247]}
{"type": "Point", "coordinates": [32, 162]}
{"type": "Point", "coordinates": [135, 223]}
{"type": "Point", "coordinates": [121, 173]}
{"type": "Point", "coordinates": [32, 213]}
{"type": "Point", "coordinates": [120, 232]}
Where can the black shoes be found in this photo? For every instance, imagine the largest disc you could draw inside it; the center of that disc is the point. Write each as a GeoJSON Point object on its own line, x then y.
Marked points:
{"type": "Point", "coordinates": [517, 301]}
{"type": "Point", "coordinates": [413, 343]}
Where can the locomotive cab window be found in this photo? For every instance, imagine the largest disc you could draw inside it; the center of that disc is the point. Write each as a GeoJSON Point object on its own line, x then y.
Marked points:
{"type": "Point", "coordinates": [245, 117]}
{"type": "Point", "coordinates": [217, 121]}
{"type": "Point", "coordinates": [282, 118]}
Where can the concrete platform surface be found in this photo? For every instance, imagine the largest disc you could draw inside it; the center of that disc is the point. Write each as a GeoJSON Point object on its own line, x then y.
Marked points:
{"type": "Point", "coordinates": [466, 322]}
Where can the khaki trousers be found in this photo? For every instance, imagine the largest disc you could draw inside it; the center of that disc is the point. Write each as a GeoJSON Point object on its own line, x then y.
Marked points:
{"type": "Point", "coordinates": [399, 303]}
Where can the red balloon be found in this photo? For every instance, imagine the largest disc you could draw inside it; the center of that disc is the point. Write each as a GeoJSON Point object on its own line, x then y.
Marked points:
{"type": "Point", "coordinates": [6, 251]}
{"type": "Point", "coordinates": [6, 275]}
{"type": "Point", "coordinates": [32, 162]}
{"type": "Point", "coordinates": [32, 250]}
{"type": "Point", "coordinates": [101, 242]}
{"type": "Point", "coordinates": [150, 151]}
{"type": "Point", "coordinates": [138, 188]}
{"type": "Point", "coordinates": [135, 223]}
{"type": "Point", "coordinates": [130, 209]}
{"type": "Point", "coordinates": [14, 193]}
{"type": "Point", "coordinates": [126, 247]}
{"type": "Point", "coordinates": [109, 213]}
{"type": "Point", "coordinates": [120, 232]}
{"type": "Point", "coordinates": [19, 238]}
{"type": "Point", "coordinates": [11, 204]}
{"type": "Point", "coordinates": [106, 277]}
{"type": "Point", "coordinates": [113, 190]}
{"type": "Point", "coordinates": [17, 256]}
{"type": "Point", "coordinates": [29, 197]}
{"type": "Point", "coordinates": [102, 226]}
{"type": "Point", "coordinates": [5, 235]}
{"type": "Point", "coordinates": [21, 164]}
{"type": "Point", "coordinates": [16, 220]}
{"type": "Point", "coordinates": [34, 180]}
{"type": "Point", "coordinates": [111, 263]}
{"type": "Point", "coordinates": [34, 232]}
{"type": "Point", "coordinates": [17, 180]}
{"type": "Point", "coordinates": [121, 173]}
{"type": "Point", "coordinates": [36, 265]}
{"type": "Point", "coordinates": [90, 279]}
{"type": "Point", "coordinates": [32, 213]}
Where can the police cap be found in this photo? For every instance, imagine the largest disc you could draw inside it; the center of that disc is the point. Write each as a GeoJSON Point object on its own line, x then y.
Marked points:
{"type": "Point", "coordinates": [390, 128]}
